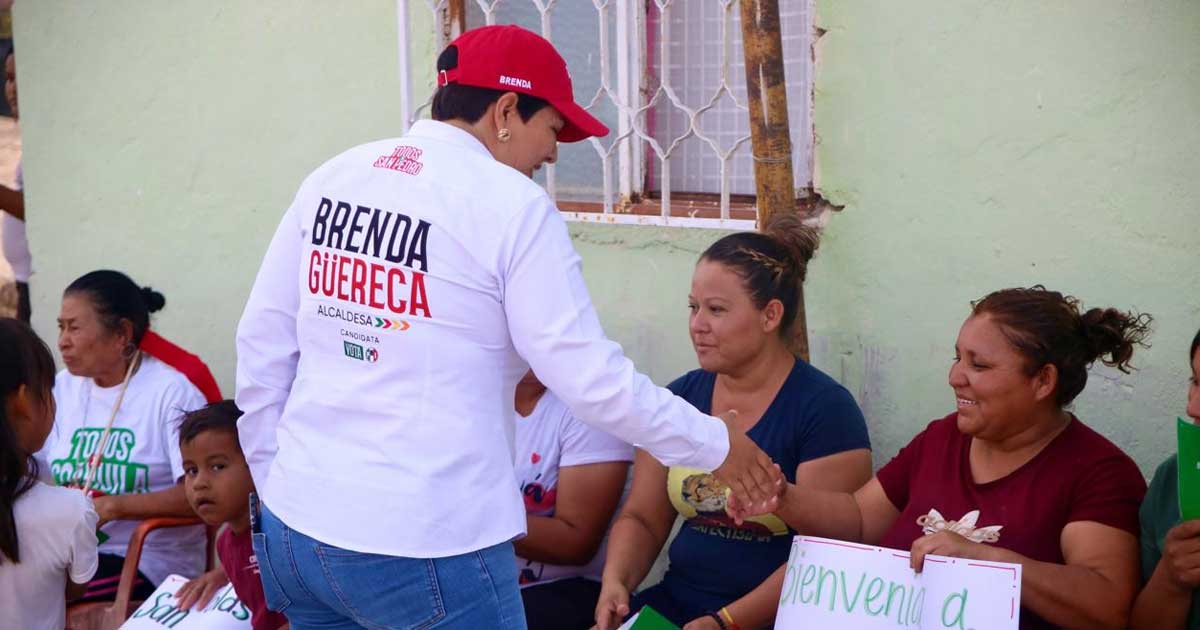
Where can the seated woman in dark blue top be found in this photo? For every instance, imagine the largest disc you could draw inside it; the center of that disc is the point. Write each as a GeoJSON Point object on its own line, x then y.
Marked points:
{"type": "Point", "coordinates": [744, 298]}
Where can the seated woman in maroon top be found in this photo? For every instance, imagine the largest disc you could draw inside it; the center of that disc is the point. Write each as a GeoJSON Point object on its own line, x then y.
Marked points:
{"type": "Point", "coordinates": [1011, 476]}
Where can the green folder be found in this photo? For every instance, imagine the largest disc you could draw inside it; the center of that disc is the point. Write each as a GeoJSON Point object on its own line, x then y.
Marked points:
{"type": "Point", "coordinates": [1189, 469]}
{"type": "Point", "coordinates": [649, 619]}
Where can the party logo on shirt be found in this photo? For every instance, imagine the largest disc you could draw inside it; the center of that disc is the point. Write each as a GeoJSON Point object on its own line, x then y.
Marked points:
{"type": "Point", "coordinates": [353, 350]}
{"type": "Point", "coordinates": [116, 474]}
{"type": "Point", "coordinates": [360, 352]}
{"type": "Point", "coordinates": [404, 159]}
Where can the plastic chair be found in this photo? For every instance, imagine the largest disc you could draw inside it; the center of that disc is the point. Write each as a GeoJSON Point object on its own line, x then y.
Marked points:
{"type": "Point", "coordinates": [110, 615]}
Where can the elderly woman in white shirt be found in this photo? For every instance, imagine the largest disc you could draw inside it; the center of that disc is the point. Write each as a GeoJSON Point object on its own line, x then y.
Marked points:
{"type": "Point", "coordinates": [410, 285]}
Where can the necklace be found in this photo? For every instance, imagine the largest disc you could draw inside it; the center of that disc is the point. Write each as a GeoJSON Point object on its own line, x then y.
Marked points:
{"type": "Point", "coordinates": [79, 474]}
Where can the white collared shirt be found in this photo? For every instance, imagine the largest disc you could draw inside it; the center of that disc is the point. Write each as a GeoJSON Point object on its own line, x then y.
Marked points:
{"type": "Point", "coordinates": [398, 304]}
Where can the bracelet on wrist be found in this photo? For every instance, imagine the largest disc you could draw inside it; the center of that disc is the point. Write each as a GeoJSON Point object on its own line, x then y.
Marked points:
{"type": "Point", "coordinates": [729, 623]}
{"type": "Point", "coordinates": [719, 620]}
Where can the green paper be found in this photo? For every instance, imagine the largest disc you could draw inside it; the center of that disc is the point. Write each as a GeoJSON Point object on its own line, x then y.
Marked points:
{"type": "Point", "coordinates": [1189, 469]}
{"type": "Point", "coordinates": [649, 619]}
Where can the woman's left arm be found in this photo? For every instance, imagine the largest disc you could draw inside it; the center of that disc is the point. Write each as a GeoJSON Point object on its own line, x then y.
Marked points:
{"type": "Point", "coordinates": [587, 498]}
{"type": "Point", "coordinates": [1094, 589]}
{"type": "Point", "coordinates": [140, 506]}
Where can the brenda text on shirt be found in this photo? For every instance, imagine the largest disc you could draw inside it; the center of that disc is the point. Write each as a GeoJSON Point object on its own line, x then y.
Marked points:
{"type": "Point", "coordinates": [830, 581]}
{"type": "Point", "coordinates": [369, 233]}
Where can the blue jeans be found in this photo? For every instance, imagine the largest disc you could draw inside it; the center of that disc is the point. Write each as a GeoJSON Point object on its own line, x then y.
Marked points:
{"type": "Point", "coordinates": [321, 586]}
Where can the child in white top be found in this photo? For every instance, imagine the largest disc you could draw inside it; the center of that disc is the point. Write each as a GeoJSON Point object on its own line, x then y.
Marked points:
{"type": "Point", "coordinates": [47, 534]}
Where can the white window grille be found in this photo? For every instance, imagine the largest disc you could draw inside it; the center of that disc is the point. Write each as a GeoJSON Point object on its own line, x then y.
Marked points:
{"type": "Point", "coordinates": [668, 78]}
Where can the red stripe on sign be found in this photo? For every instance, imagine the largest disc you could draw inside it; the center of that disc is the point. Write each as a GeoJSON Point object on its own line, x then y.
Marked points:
{"type": "Point", "coordinates": [928, 559]}
{"type": "Point", "coordinates": [837, 544]}
{"type": "Point", "coordinates": [992, 566]}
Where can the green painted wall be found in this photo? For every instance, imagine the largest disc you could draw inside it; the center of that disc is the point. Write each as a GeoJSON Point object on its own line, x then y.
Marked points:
{"type": "Point", "coordinates": [167, 139]}
{"type": "Point", "coordinates": [981, 145]}
{"type": "Point", "coordinates": [974, 145]}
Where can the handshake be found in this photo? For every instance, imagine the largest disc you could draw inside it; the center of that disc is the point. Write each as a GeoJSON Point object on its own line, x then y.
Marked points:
{"type": "Point", "coordinates": [756, 483]}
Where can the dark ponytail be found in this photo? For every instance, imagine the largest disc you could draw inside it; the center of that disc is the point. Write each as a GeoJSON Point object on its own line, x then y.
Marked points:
{"type": "Point", "coordinates": [116, 298]}
{"type": "Point", "coordinates": [24, 360]}
{"type": "Point", "coordinates": [772, 263]}
{"type": "Point", "coordinates": [1048, 328]}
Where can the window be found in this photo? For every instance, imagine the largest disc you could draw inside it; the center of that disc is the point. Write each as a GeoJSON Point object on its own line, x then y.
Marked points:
{"type": "Point", "coordinates": [667, 77]}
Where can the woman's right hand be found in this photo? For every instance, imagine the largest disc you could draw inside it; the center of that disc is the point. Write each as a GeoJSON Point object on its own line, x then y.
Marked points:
{"type": "Point", "coordinates": [613, 606]}
{"type": "Point", "coordinates": [740, 508]}
{"type": "Point", "coordinates": [1181, 555]}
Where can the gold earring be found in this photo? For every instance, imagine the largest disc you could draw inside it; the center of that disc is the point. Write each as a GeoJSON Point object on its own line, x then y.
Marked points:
{"type": "Point", "coordinates": [504, 135]}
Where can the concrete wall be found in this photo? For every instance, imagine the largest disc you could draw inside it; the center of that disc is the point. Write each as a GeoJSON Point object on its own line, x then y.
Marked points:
{"type": "Point", "coordinates": [974, 145]}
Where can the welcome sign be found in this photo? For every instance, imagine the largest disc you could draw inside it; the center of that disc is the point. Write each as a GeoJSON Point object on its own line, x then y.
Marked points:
{"type": "Point", "coordinates": [830, 583]}
{"type": "Point", "coordinates": [223, 612]}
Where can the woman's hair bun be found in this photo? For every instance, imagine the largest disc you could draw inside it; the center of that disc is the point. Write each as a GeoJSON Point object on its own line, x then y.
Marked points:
{"type": "Point", "coordinates": [800, 240]}
{"type": "Point", "coordinates": [1112, 334]}
{"type": "Point", "coordinates": [153, 299]}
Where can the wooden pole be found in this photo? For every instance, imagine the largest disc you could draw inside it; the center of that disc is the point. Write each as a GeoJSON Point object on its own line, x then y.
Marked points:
{"type": "Point", "coordinates": [456, 19]}
{"type": "Point", "coordinates": [770, 138]}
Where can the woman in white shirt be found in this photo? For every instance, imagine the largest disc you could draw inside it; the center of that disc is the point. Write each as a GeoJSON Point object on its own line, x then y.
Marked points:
{"type": "Point", "coordinates": [47, 534]}
{"type": "Point", "coordinates": [103, 319]}
{"type": "Point", "coordinates": [572, 477]}
{"type": "Point", "coordinates": [410, 285]}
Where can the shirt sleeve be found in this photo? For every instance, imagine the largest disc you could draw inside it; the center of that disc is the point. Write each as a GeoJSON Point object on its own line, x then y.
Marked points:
{"type": "Point", "coordinates": [896, 476]}
{"type": "Point", "coordinates": [83, 559]}
{"type": "Point", "coordinates": [554, 327]}
{"type": "Point", "coordinates": [268, 349]}
{"type": "Point", "coordinates": [583, 444]}
{"type": "Point", "coordinates": [1109, 492]}
{"type": "Point", "coordinates": [835, 424]}
{"type": "Point", "coordinates": [1151, 553]}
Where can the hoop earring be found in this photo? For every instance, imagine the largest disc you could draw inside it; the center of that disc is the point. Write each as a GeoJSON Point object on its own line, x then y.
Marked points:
{"type": "Point", "coordinates": [129, 351]}
{"type": "Point", "coordinates": [504, 135]}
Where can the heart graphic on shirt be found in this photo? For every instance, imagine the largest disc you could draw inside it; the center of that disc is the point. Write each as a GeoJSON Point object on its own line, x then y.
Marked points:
{"type": "Point", "coordinates": [535, 458]}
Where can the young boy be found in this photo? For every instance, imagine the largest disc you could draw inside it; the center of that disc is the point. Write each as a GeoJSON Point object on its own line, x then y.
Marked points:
{"type": "Point", "coordinates": [218, 485]}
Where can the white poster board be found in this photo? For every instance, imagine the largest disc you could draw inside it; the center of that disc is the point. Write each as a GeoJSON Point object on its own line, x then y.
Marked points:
{"type": "Point", "coordinates": [835, 584]}
{"type": "Point", "coordinates": [224, 612]}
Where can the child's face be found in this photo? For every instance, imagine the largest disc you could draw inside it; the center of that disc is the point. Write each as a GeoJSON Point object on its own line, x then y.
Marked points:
{"type": "Point", "coordinates": [216, 477]}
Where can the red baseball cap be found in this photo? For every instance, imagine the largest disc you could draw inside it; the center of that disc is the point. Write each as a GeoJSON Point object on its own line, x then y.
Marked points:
{"type": "Point", "coordinates": [512, 59]}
